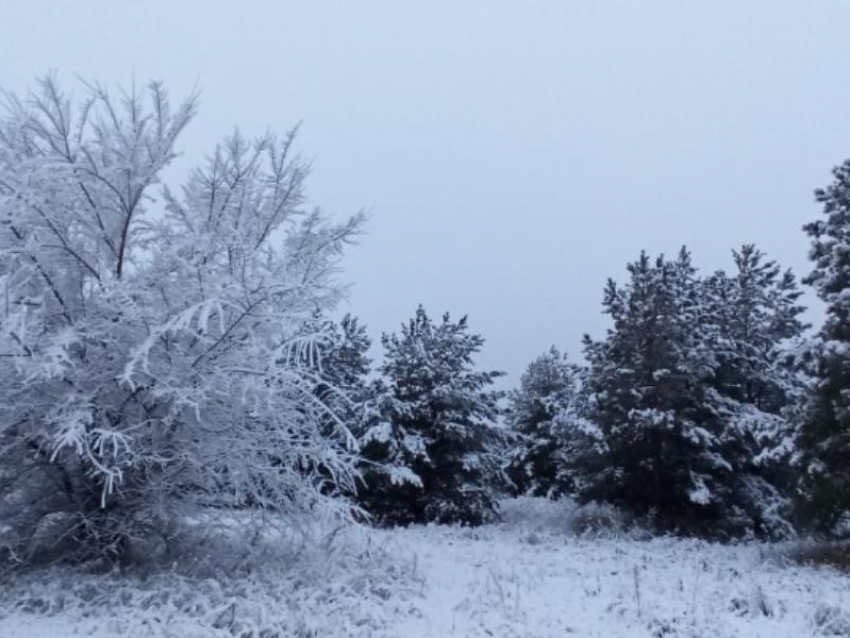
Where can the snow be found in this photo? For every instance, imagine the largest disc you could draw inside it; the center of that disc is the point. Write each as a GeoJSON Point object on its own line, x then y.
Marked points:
{"type": "Point", "coordinates": [700, 493]}
{"type": "Point", "coordinates": [402, 475]}
{"type": "Point", "coordinates": [531, 575]}
{"type": "Point", "coordinates": [527, 578]}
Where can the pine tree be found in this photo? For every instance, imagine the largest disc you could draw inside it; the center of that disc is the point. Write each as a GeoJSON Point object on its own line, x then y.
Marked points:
{"type": "Point", "coordinates": [340, 368]}
{"type": "Point", "coordinates": [691, 391]}
{"type": "Point", "coordinates": [756, 310]}
{"type": "Point", "coordinates": [824, 436]}
{"type": "Point", "coordinates": [756, 315]}
{"type": "Point", "coordinates": [430, 441]}
{"type": "Point", "coordinates": [647, 383]}
{"type": "Point", "coordinates": [345, 354]}
{"type": "Point", "coordinates": [537, 409]}
{"type": "Point", "coordinates": [344, 368]}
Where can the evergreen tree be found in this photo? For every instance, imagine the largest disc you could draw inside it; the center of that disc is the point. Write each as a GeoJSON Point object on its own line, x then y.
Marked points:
{"type": "Point", "coordinates": [690, 392]}
{"type": "Point", "coordinates": [429, 444]}
{"type": "Point", "coordinates": [546, 395]}
{"type": "Point", "coordinates": [755, 311]}
{"type": "Point", "coordinates": [660, 451]}
{"type": "Point", "coordinates": [345, 367]}
{"type": "Point", "coordinates": [340, 382]}
{"type": "Point", "coordinates": [755, 314]}
{"type": "Point", "coordinates": [345, 358]}
{"type": "Point", "coordinates": [824, 437]}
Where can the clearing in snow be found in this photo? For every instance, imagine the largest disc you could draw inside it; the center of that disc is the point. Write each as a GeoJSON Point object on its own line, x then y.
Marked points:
{"type": "Point", "coordinates": [548, 569]}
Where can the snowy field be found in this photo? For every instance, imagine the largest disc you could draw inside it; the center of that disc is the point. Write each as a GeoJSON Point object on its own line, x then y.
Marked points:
{"type": "Point", "coordinates": [541, 572]}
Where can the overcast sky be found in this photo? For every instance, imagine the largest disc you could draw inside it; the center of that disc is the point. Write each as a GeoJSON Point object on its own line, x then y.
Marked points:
{"type": "Point", "coordinates": [513, 155]}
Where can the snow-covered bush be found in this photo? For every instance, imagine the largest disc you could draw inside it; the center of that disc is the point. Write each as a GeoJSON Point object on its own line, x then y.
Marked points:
{"type": "Point", "coordinates": [536, 514]}
{"type": "Point", "coordinates": [542, 517]}
{"type": "Point", "coordinates": [154, 359]}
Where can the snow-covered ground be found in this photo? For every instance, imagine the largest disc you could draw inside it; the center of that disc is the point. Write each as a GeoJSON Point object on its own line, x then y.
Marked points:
{"type": "Point", "coordinates": [533, 575]}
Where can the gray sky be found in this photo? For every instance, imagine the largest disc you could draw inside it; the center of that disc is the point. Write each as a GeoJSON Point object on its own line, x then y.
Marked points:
{"type": "Point", "coordinates": [513, 155]}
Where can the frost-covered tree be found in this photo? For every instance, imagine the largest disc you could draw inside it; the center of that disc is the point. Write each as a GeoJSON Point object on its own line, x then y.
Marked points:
{"type": "Point", "coordinates": [690, 391]}
{"type": "Point", "coordinates": [345, 368]}
{"type": "Point", "coordinates": [755, 313]}
{"type": "Point", "coordinates": [647, 385]}
{"type": "Point", "coordinates": [546, 397]}
{"type": "Point", "coordinates": [824, 436]}
{"type": "Point", "coordinates": [154, 356]}
{"type": "Point", "coordinates": [345, 354]}
{"type": "Point", "coordinates": [430, 443]}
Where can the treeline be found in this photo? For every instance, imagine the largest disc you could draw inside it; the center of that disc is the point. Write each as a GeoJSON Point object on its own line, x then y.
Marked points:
{"type": "Point", "coordinates": [705, 409]}
{"type": "Point", "coordinates": [168, 356]}
{"type": "Point", "coordinates": [683, 413]}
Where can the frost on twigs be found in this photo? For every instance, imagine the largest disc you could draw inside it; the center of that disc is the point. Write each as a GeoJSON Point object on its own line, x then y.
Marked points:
{"type": "Point", "coordinates": [155, 356]}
